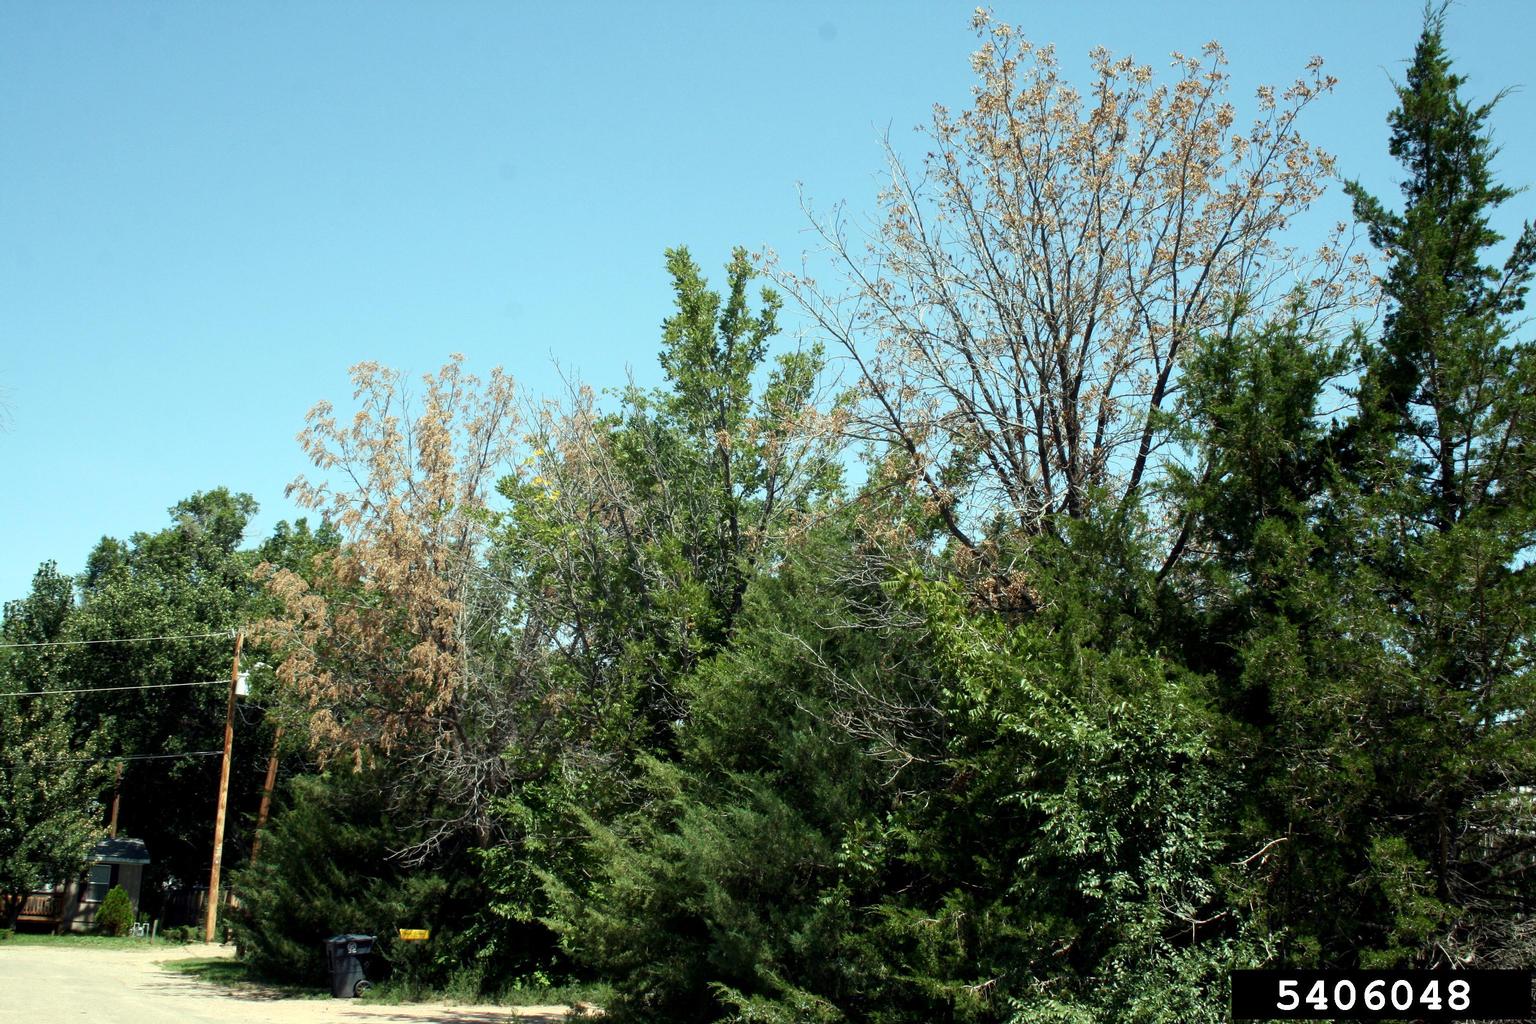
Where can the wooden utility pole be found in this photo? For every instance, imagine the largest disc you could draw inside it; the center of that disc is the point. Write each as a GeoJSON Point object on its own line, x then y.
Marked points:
{"type": "Point", "coordinates": [266, 795]}
{"type": "Point", "coordinates": [117, 796]}
{"type": "Point", "coordinates": [218, 820]}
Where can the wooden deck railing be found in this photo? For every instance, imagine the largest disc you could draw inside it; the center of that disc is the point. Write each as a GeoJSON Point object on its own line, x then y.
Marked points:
{"type": "Point", "coordinates": [41, 906]}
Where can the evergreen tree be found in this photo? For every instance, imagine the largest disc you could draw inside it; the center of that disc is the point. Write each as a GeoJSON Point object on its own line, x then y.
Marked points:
{"type": "Point", "coordinates": [1362, 593]}
{"type": "Point", "coordinates": [328, 866]}
{"type": "Point", "coordinates": [736, 881]}
{"type": "Point", "coordinates": [1443, 451]}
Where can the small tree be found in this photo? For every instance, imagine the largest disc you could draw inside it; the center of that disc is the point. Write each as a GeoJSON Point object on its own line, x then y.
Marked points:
{"type": "Point", "coordinates": [115, 915]}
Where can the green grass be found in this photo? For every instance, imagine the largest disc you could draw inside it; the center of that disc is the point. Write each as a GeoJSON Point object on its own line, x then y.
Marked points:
{"type": "Point", "coordinates": [465, 988]}
{"type": "Point", "coordinates": [235, 974]}
{"type": "Point", "coordinates": [596, 993]}
{"type": "Point", "coordinates": [77, 939]}
{"type": "Point", "coordinates": [227, 972]}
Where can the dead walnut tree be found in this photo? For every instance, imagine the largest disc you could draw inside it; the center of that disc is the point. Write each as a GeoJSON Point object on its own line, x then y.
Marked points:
{"type": "Point", "coordinates": [380, 647]}
{"type": "Point", "coordinates": [1018, 317]}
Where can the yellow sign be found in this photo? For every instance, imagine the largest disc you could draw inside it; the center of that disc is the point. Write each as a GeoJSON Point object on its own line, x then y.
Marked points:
{"type": "Point", "coordinates": [413, 934]}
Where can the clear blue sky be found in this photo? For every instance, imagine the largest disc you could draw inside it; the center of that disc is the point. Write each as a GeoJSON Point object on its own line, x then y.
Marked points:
{"type": "Point", "coordinates": [208, 211]}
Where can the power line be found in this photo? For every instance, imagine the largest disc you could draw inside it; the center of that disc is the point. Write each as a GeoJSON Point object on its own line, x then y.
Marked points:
{"type": "Point", "coordinates": [114, 760]}
{"type": "Point", "coordinates": [113, 689]}
{"type": "Point", "coordinates": [122, 639]}
{"type": "Point", "coordinates": [135, 757]}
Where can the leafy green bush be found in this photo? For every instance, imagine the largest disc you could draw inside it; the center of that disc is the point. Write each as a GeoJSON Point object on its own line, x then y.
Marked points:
{"type": "Point", "coordinates": [115, 915]}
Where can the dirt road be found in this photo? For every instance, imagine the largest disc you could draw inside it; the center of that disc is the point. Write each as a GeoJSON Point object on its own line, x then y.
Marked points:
{"type": "Point", "coordinates": [48, 984]}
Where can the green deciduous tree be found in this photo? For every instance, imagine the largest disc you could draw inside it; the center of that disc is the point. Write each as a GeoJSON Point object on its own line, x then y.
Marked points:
{"type": "Point", "coordinates": [50, 811]}
{"type": "Point", "coordinates": [639, 528]}
{"type": "Point", "coordinates": [188, 579]}
{"type": "Point", "coordinates": [50, 782]}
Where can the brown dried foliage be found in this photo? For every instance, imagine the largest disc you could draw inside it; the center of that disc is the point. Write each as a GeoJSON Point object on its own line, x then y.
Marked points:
{"type": "Point", "coordinates": [1019, 316]}
{"type": "Point", "coordinates": [377, 647]}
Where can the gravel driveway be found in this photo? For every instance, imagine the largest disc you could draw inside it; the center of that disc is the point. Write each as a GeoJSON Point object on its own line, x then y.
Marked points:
{"type": "Point", "coordinates": [45, 984]}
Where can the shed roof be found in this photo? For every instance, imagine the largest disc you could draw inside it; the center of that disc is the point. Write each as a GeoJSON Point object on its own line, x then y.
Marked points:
{"type": "Point", "coordinates": [119, 850]}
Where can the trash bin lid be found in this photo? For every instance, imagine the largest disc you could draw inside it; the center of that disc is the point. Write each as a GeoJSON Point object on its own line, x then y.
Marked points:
{"type": "Point", "coordinates": [354, 945]}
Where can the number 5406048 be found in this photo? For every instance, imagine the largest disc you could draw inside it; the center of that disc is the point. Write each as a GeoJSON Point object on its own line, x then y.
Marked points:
{"type": "Point", "coordinates": [1400, 994]}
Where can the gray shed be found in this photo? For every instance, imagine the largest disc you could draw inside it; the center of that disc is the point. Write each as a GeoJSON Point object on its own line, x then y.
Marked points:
{"type": "Point", "coordinates": [72, 906]}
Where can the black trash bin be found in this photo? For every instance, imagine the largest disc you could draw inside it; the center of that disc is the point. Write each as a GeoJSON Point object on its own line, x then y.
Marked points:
{"type": "Point", "coordinates": [347, 955]}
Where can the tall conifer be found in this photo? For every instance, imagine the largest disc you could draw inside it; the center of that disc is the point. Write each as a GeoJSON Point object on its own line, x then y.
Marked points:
{"type": "Point", "coordinates": [1441, 454]}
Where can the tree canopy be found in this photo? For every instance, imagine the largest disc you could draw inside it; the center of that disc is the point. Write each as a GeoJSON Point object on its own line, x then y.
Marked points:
{"type": "Point", "coordinates": [1118, 606]}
